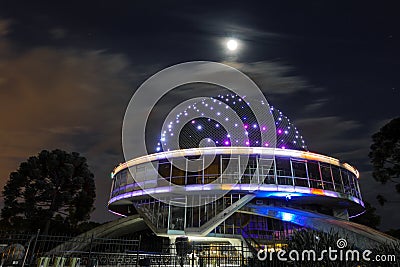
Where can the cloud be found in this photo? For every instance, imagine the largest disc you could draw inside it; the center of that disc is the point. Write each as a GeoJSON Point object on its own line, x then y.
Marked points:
{"type": "Point", "coordinates": [274, 78]}
{"type": "Point", "coordinates": [212, 25]}
{"type": "Point", "coordinates": [64, 98]}
{"type": "Point", "coordinates": [58, 33]}
{"type": "Point", "coordinates": [325, 131]}
{"type": "Point", "coordinates": [5, 27]}
{"type": "Point", "coordinates": [316, 104]}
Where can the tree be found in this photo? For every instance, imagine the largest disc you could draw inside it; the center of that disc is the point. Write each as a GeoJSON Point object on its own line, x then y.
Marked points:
{"type": "Point", "coordinates": [385, 155]}
{"type": "Point", "coordinates": [53, 189]}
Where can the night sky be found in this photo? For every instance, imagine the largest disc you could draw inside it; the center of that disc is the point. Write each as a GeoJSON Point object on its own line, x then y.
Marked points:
{"type": "Point", "coordinates": [68, 70]}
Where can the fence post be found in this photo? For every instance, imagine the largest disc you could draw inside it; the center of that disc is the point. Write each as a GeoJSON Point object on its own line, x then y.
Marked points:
{"type": "Point", "coordinates": [193, 254]}
{"type": "Point", "coordinates": [90, 250]}
{"type": "Point", "coordinates": [137, 251]}
{"type": "Point", "coordinates": [33, 249]}
{"type": "Point", "coordinates": [242, 259]}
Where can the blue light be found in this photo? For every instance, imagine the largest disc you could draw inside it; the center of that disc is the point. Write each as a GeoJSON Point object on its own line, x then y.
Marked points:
{"type": "Point", "coordinates": [286, 195]}
{"type": "Point", "coordinates": [287, 217]}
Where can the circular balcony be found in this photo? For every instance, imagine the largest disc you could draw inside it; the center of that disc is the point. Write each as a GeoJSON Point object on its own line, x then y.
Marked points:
{"type": "Point", "coordinates": [302, 177]}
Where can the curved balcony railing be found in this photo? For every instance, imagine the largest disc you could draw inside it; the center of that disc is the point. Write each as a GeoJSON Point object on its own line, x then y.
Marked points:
{"type": "Point", "coordinates": [264, 166]}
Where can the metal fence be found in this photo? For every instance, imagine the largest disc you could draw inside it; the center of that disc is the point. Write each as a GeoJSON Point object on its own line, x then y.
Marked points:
{"type": "Point", "coordinates": [56, 250]}
{"type": "Point", "coordinates": [66, 251]}
{"type": "Point", "coordinates": [61, 251]}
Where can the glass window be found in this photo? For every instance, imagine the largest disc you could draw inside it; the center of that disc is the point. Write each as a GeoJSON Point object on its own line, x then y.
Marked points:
{"type": "Point", "coordinates": [164, 169]}
{"type": "Point", "coordinates": [326, 173]}
{"type": "Point", "coordinates": [266, 170]}
{"type": "Point", "coordinates": [178, 175]}
{"type": "Point", "coordinates": [345, 179]}
{"type": "Point", "coordinates": [337, 178]}
{"type": "Point", "coordinates": [299, 169]}
{"type": "Point", "coordinates": [249, 169]}
{"type": "Point", "coordinates": [195, 176]}
{"type": "Point", "coordinates": [192, 217]}
{"type": "Point", "coordinates": [212, 171]}
{"type": "Point", "coordinates": [177, 218]}
{"type": "Point", "coordinates": [283, 167]}
{"type": "Point", "coordinates": [122, 178]}
{"type": "Point", "coordinates": [299, 173]}
{"type": "Point", "coordinates": [316, 184]}
{"type": "Point", "coordinates": [301, 182]}
{"type": "Point", "coordinates": [313, 170]}
{"type": "Point", "coordinates": [314, 175]}
{"type": "Point", "coordinates": [353, 184]}
{"type": "Point", "coordinates": [230, 168]}
{"type": "Point", "coordinates": [285, 180]}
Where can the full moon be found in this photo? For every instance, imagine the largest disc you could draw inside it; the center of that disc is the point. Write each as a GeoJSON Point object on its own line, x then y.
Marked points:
{"type": "Point", "coordinates": [232, 45]}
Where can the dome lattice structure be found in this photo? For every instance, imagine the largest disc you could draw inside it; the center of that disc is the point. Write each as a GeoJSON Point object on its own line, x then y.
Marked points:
{"type": "Point", "coordinates": [212, 131]}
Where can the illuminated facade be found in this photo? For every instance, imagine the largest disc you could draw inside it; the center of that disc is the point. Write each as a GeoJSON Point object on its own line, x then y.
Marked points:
{"type": "Point", "coordinates": [251, 190]}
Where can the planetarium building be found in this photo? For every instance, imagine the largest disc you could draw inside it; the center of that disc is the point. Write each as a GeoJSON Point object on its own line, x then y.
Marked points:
{"type": "Point", "coordinates": [244, 189]}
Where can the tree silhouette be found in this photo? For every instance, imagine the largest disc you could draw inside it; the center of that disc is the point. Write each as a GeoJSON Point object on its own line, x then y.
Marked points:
{"type": "Point", "coordinates": [385, 155]}
{"type": "Point", "coordinates": [53, 189]}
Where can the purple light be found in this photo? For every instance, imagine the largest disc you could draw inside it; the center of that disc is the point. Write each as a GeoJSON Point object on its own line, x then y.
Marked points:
{"type": "Point", "coordinates": [283, 147]}
{"type": "Point", "coordinates": [226, 143]}
{"type": "Point", "coordinates": [247, 143]}
{"type": "Point", "coordinates": [264, 128]}
{"type": "Point", "coordinates": [246, 126]}
{"type": "Point", "coordinates": [266, 144]}
{"type": "Point", "coordinates": [279, 131]}
{"type": "Point", "coordinates": [193, 122]}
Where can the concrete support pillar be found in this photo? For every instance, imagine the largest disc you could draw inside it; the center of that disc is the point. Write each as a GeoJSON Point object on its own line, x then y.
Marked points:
{"type": "Point", "coordinates": [341, 213]}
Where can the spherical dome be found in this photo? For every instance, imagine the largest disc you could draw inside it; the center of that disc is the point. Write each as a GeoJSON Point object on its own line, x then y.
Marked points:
{"type": "Point", "coordinates": [202, 130]}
